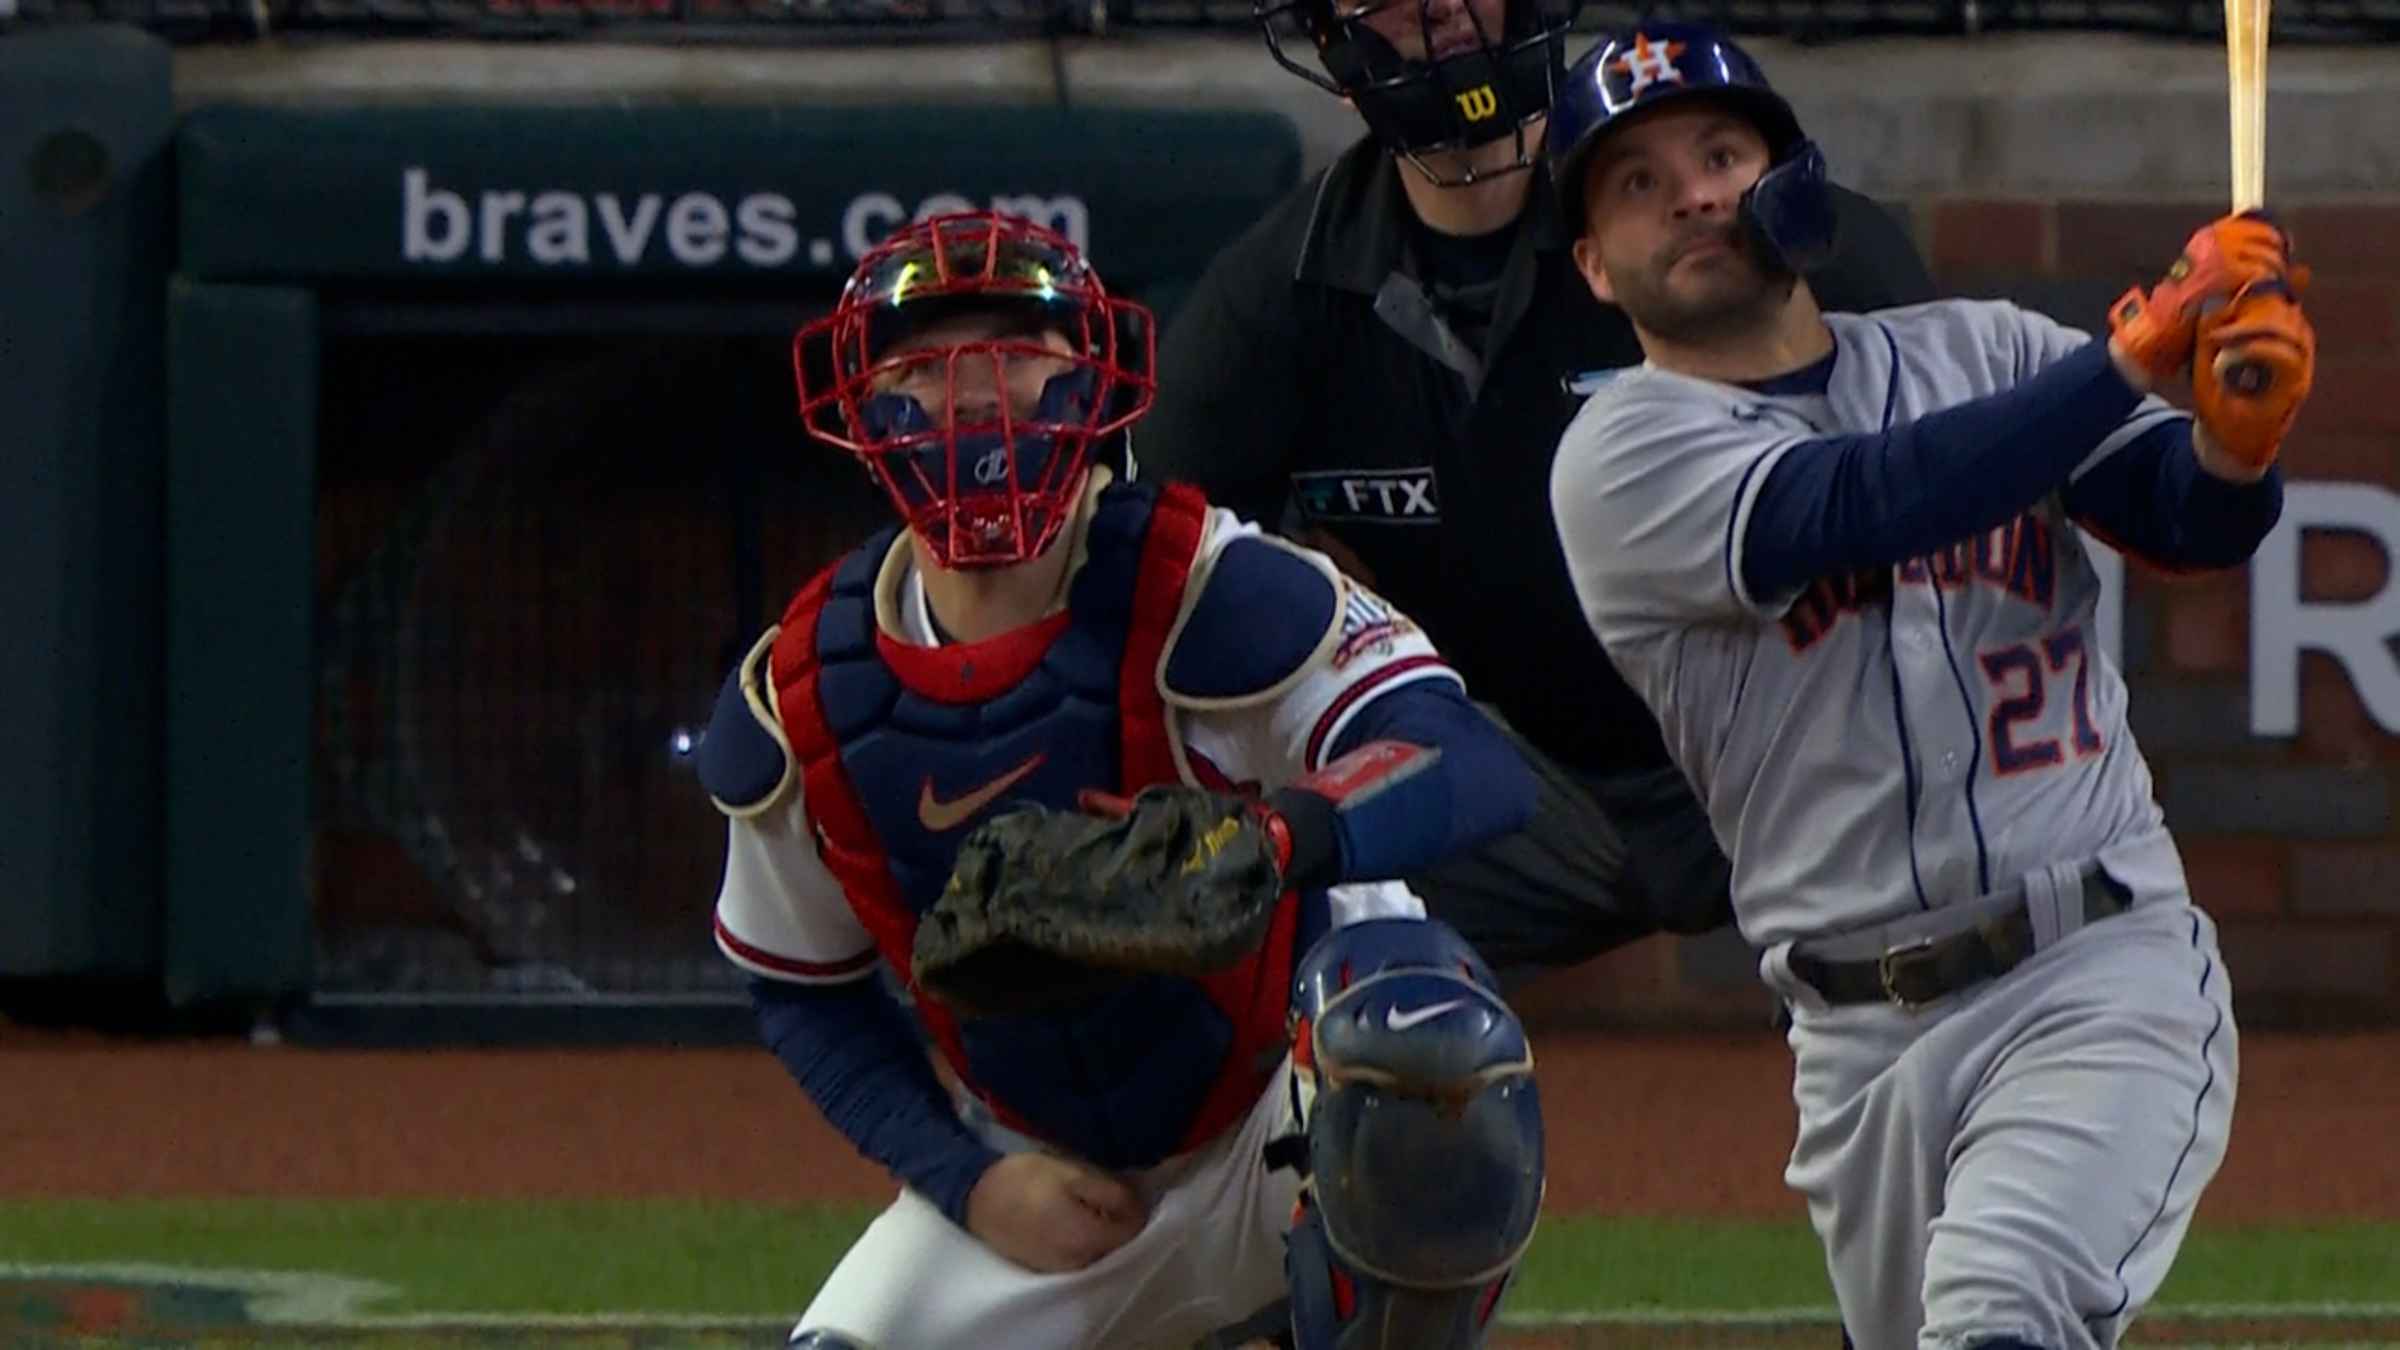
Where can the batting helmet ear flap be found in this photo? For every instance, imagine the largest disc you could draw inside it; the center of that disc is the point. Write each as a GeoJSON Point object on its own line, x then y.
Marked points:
{"type": "Point", "coordinates": [1788, 213]}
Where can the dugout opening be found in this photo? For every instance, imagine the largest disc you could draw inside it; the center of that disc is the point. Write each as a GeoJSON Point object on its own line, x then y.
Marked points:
{"type": "Point", "coordinates": [542, 537]}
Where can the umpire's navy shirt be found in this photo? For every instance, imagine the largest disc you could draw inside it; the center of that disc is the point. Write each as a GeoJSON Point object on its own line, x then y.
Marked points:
{"type": "Point", "coordinates": [1314, 379]}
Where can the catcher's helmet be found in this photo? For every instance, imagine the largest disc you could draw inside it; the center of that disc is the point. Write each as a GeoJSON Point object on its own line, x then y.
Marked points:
{"type": "Point", "coordinates": [982, 483]}
{"type": "Point", "coordinates": [1788, 213]}
{"type": "Point", "coordinates": [1463, 94]}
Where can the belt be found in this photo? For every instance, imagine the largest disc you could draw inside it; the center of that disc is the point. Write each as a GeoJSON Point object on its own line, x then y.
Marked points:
{"type": "Point", "coordinates": [1913, 974]}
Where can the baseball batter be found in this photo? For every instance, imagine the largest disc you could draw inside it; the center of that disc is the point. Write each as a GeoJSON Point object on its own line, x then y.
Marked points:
{"type": "Point", "coordinates": [1838, 556]}
{"type": "Point", "coordinates": [1125, 1165]}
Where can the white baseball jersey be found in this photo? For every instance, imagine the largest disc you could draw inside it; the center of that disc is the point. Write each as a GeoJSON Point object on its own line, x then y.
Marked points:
{"type": "Point", "coordinates": [1877, 743]}
{"type": "Point", "coordinates": [781, 914]}
{"type": "Point", "coordinates": [2017, 1162]}
{"type": "Point", "coordinates": [1210, 1251]}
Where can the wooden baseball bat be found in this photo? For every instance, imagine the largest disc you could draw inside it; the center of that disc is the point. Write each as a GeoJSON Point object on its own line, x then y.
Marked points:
{"type": "Point", "coordinates": [2246, 77]}
{"type": "Point", "coordinates": [2246, 89]}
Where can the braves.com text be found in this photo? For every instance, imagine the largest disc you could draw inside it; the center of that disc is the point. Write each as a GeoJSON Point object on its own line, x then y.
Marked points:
{"type": "Point", "coordinates": [561, 228]}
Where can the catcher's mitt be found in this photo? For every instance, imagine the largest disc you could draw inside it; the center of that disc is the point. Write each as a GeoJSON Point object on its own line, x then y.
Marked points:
{"type": "Point", "coordinates": [2156, 329]}
{"type": "Point", "coordinates": [1046, 907]}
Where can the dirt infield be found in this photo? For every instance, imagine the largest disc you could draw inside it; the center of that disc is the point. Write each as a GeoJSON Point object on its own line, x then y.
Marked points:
{"type": "Point", "coordinates": [1639, 1125]}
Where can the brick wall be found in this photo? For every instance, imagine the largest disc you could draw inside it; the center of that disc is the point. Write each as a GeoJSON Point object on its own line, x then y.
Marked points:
{"type": "Point", "coordinates": [2289, 841]}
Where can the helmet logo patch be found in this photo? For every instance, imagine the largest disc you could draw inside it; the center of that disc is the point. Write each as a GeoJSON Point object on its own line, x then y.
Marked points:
{"type": "Point", "coordinates": [1650, 63]}
{"type": "Point", "coordinates": [1478, 103]}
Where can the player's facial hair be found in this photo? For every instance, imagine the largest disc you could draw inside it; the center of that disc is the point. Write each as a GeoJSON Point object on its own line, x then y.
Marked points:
{"type": "Point", "coordinates": [1649, 298]}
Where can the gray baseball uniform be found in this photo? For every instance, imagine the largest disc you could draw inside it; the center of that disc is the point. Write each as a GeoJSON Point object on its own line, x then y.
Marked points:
{"type": "Point", "coordinates": [1900, 754]}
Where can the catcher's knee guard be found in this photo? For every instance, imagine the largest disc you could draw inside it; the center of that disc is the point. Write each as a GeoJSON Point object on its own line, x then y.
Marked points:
{"type": "Point", "coordinates": [1423, 1145]}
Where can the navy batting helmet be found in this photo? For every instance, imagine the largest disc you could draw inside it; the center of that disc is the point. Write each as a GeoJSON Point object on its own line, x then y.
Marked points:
{"type": "Point", "coordinates": [1788, 213]}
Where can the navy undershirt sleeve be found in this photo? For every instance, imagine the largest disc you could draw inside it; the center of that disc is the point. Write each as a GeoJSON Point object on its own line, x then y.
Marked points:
{"type": "Point", "coordinates": [1478, 789]}
{"type": "Point", "coordinates": [1842, 503]}
{"type": "Point", "coordinates": [2153, 500]}
{"type": "Point", "coordinates": [855, 1054]}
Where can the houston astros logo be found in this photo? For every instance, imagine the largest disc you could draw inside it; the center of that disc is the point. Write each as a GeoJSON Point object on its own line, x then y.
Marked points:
{"type": "Point", "coordinates": [1650, 63]}
{"type": "Point", "coordinates": [1478, 103]}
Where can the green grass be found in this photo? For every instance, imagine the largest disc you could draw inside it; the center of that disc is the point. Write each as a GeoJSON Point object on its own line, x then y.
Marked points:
{"type": "Point", "coordinates": [457, 1255]}
{"type": "Point", "coordinates": [1580, 1263]}
{"type": "Point", "coordinates": [1675, 1263]}
{"type": "Point", "coordinates": [748, 1261]}
{"type": "Point", "coordinates": [2294, 1263]}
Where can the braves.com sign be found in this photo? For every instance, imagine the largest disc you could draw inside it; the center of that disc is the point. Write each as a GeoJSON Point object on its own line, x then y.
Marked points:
{"type": "Point", "coordinates": [570, 229]}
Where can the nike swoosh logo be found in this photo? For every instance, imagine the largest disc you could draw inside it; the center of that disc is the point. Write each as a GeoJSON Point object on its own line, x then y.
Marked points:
{"type": "Point", "coordinates": [940, 816]}
{"type": "Point", "coordinates": [1402, 1021]}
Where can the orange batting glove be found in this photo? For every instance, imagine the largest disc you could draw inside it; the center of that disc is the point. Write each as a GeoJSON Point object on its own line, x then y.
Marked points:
{"type": "Point", "coordinates": [2254, 364]}
{"type": "Point", "coordinates": [2158, 329]}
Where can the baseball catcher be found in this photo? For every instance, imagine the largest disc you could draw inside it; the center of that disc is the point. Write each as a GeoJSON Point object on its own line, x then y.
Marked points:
{"type": "Point", "coordinates": [1109, 787]}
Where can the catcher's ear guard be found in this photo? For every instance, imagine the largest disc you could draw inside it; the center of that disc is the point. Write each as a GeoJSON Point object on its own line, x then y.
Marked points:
{"type": "Point", "coordinates": [1424, 1141]}
{"type": "Point", "coordinates": [1788, 212]}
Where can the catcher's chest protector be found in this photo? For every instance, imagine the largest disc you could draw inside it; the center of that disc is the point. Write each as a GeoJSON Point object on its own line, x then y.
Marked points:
{"type": "Point", "coordinates": [904, 750]}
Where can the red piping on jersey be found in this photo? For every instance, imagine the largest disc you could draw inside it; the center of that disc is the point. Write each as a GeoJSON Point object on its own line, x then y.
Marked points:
{"type": "Point", "coordinates": [784, 965]}
{"type": "Point", "coordinates": [1350, 698]}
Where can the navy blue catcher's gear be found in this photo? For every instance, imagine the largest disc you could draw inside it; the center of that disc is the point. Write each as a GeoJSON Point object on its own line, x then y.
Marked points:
{"type": "Point", "coordinates": [1788, 213]}
{"type": "Point", "coordinates": [1458, 95]}
{"type": "Point", "coordinates": [1424, 1141]}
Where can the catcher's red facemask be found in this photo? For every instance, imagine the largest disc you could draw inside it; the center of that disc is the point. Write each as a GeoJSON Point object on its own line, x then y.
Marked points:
{"type": "Point", "coordinates": [971, 364]}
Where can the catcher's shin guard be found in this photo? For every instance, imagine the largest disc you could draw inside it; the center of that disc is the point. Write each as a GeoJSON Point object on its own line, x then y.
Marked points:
{"type": "Point", "coordinates": [1423, 1144]}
